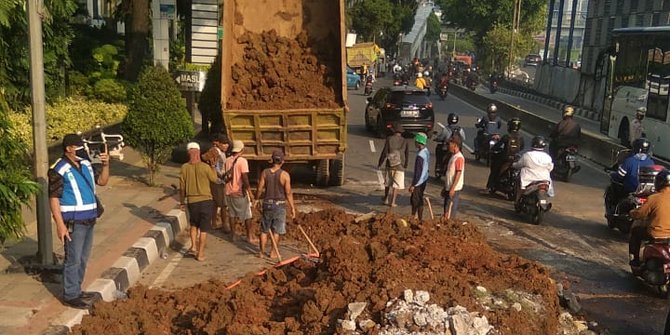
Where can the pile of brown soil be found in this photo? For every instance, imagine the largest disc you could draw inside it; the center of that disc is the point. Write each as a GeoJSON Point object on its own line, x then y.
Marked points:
{"type": "Point", "coordinates": [372, 261]}
{"type": "Point", "coordinates": [282, 73]}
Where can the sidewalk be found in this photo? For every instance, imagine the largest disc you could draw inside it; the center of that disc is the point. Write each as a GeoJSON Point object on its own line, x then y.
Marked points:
{"type": "Point", "coordinates": [30, 299]}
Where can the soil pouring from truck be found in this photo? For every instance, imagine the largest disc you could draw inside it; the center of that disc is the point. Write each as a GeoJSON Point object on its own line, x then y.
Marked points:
{"type": "Point", "coordinates": [283, 82]}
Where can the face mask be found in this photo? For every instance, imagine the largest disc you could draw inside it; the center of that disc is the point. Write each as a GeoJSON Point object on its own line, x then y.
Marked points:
{"type": "Point", "coordinates": [81, 152]}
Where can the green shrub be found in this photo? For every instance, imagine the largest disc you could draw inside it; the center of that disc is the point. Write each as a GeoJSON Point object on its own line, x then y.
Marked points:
{"type": "Point", "coordinates": [157, 118]}
{"type": "Point", "coordinates": [109, 90]}
{"type": "Point", "coordinates": [68, 116]}
{"type": "Point", "coordinates": [107, 58]}
{"type": "Point", "coordinates": [77, 84]}
{"type": "Point", "coordinates": [16, 185]}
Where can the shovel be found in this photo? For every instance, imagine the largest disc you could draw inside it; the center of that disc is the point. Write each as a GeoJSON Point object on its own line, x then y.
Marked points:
{"type": "Point", "coordinates": [309, 241]}
{"type": "Point", "coordinates": [430, 208]}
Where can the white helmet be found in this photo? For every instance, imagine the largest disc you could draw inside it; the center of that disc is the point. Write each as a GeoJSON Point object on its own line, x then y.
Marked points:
{"type": "Point", "coordinates": [418, 75]}
{"type": "Point", "coordinates": [426, 73]}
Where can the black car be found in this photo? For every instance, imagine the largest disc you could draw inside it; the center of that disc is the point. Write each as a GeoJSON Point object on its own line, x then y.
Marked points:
{"type": "Point", "coordinates": [532, 60]}
{"type": "Point", "coordinates": [408, 105]}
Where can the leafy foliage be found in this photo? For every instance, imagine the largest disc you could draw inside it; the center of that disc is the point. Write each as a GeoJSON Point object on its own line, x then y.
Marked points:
{"type": "Point", "coordinates": [157, 118]}
{"type": "Point", "coordinates": [14, 49]}
{"type": "Point", "coordinates": [109, 90]}
{"type": "Point", "coordinates": [496, 44]}
{"type": "Point", "coordinates": [16, 185]}
{"type": "Point", "coordinates": [68, 116]}
{"type": "Point", "coordinates": [433, 29]}
{"type": "Point", "coordinates": [481, 16]}
{"type": "Point", "coordinates": [210, 99]}
{"type": "Point", "coordinates": [391, 17]}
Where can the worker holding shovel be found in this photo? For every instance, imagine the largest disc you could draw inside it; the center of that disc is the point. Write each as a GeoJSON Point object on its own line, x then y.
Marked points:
{"type": "Point", "coordinates": [275, 187]}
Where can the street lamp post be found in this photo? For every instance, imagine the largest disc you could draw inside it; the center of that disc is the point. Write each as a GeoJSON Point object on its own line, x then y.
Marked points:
{"type": "Point", "coordinates": [516, 15]}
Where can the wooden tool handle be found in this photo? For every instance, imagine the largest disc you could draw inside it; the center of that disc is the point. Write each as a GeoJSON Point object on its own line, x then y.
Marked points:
{"type": "Point", "coordinates": [309, 241]}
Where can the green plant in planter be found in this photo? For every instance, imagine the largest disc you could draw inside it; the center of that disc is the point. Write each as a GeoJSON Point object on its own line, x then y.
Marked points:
{"type": "Point", "coordinates": [157, 118]}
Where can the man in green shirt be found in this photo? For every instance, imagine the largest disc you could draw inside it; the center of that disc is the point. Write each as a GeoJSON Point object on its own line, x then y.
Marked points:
{"type": "Point", "coordinates": [194, 180]}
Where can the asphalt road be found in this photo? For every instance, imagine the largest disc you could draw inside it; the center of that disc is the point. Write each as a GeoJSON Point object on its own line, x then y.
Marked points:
{"type": "Point", "coordinates": [573, 241]}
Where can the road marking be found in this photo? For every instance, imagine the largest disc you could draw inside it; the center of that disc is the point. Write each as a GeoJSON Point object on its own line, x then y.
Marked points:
{"type": "Point", "coordinates": [372, 146]}
{"type": "Point", "coordinates": [167, 271]}
{"type": "Point", "coordinates": [469, 149]}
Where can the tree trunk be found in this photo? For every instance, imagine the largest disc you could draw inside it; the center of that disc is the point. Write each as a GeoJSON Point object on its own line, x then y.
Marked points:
{"type": "Point", "coordinates": [137, 37]}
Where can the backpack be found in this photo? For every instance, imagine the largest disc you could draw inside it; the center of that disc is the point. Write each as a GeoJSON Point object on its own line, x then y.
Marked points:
{"type": "Point", "coordinates": [393, 158]}
{"type": "Point", "coordinates": [514, 146]}
{"type": "Point", "coordinates": [227, 176]}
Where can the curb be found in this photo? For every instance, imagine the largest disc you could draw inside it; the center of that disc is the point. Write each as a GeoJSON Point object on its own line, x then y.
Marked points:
{"type": "Point", "coordinates": [127, 269]}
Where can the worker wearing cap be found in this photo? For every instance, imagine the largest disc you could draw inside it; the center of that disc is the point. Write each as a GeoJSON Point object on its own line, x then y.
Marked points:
{"type": "Point", "coordinates": [274, 187]}
{"type": "Point", "coordinates": [420, 175]}
{"type": "Point", "coordinates": [636, 127]}
{"type": "Point", "coordinates": [238, 190]}
{"type": "Point", "coordinates": [72, 199]}
{"type": "Point", "coordinates": [195, 178]}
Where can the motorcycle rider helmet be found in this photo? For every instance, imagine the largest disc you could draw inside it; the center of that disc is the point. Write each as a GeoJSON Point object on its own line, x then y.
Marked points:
{"type": "Point", "coordinates": [641, 145]}
{"type": "Point", "coordinates": [662, 180]}
{"type": "Point", "coordinates": [568, 111]}
{"type": "Point", "coordinates": [641, 112]}
{"type": "Point", "coordinates": [426, 73]}
{"type": "Point", "coordinates": [492, 109]}
{"type": "Point", "coordinates": [452, 118]}
{"type": "Point", "coordinates": [539, 143]}
{"type": "Point", "coordinates": [419, 75]}
{"type": "Point", "coordinates": [514, 125]}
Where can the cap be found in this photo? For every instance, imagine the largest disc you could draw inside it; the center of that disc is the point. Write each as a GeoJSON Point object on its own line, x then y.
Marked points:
{"type": "Point", "coordinates": [192, 145]}
{"type": "Point", "coordinates": [72, 139]}
{"type": "Point", "coordinates": [421, 138]}
{"type": "Point", "coordinates": [238, 146]}
{"type": "Point", "coordinates": [277, 156]}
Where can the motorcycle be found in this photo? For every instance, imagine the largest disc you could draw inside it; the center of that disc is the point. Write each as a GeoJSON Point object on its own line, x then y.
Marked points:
{"type": "Point", "coordinates": [508, 181]}
{"type": "Point", "coordinates": [534, 201]}
{"type": "Point", "coordinates": [472, 85]}
{"type": "Point", "coordinates": [617, 208]}
{"type": "Point", "coordinates": [654, 267]}
{"type": "Point", "coordinates": [486, 143]}
{"type": "Point", "coordinates": [443, 91]}
{"type": "Point", "coordinates": [566, 164]}
{"type": "Point", "coordinates": [493, 87]}
{"type": "Point", "coordinates": [368, 88]}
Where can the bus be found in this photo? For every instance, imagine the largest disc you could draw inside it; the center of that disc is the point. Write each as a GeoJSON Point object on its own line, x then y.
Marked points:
{"type": "Point", "coordinates": [639, 76]}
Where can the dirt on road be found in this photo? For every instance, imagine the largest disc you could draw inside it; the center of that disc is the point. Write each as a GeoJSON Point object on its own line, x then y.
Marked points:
{"type": "Point", "coordinates": [372, 261]}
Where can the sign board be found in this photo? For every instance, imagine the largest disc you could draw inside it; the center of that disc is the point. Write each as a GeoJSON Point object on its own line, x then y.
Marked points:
{"type": "Point", "coordinates": [168, 11]}
{"type": "Point", "coordinates": [192, 81]}
{"type": "Point", "coordinates": [444, 36]}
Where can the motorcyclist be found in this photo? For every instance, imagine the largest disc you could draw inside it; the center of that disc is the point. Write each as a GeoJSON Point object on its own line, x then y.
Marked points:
{"type": "Point", "coordinates": [534, 165]}
{"type": "Point", "coordinates": [420, 83]}
{"type": "Point", "coordinates": [653, 217]}
{"type": "Point", "coordinates": [442, 154]}
{"type": "Point", "coordinates": [627, 172]}
{"type": "Point", "coordinates": [473, 77]}
{"type": "Point", "coordinates": [397, 68]}
{"type": "Point", "coordinates": [504, 153]}
{"type": "Point", "coordinates": [444, 80]}
{"type": "Point", "coordinates": [565, 134]}
{"type": "Point", "coordinates": [427, 76]}
{"type": "Point", "coordinates": [493, 79]}
{"type": "Point", "coordinates": [488, 125]}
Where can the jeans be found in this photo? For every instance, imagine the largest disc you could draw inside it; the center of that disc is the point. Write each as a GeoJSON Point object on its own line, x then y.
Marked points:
{"type": "Point", "coordinates": [274, 217]}
{"type": "Point", "coordinates": [454, 204]}
{"type": "Point", "coordinates": [77, 252]}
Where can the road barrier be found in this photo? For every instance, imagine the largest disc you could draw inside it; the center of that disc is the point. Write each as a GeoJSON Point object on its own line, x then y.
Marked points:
{"type": "Point", "coordinates": [594, 147]}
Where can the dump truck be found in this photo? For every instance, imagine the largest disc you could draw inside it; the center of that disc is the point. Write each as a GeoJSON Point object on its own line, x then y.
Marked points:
{"type": "Point", "coordinates": [362, 53]}
{"type": "Point", "coordinates": [283, 83]}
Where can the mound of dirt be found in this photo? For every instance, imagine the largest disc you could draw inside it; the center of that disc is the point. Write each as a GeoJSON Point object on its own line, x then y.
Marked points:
{"type": "Point", "coordinates": [282, 73]}
{"type": "Point", "coordinates": [373, 261]}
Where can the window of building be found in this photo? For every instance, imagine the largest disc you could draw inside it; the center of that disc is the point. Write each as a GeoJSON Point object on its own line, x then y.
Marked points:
{"type": "Point", "coordinates": [633, 6]}
{"type": "Point", "coordinates": [624, 21]}
{"type": "Point", "coordinates": [650, 5]}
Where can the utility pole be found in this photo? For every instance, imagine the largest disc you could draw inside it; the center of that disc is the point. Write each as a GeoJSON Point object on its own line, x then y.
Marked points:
{"type": "Point", "coordinates": [547, 36]}
{"type": "Point", "coordinates": [573, 17]}
{"type": "Point", "coordinates": [453, 52]}
{"type": "Point", "coordinates": [41, 162]}
{"type": "Point", "coordinates": [559, 26]}
{"type": "Point", "coordinates": [515, 26]}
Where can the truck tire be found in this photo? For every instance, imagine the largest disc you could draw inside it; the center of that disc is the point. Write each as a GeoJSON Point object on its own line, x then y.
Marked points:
{"type": "Point", "coordinates": [337, 172]}
{"type": "Point", "coordinates": [322, 172]}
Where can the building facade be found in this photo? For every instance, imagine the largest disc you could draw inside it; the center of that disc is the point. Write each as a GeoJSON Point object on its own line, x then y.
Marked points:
{"type": "Point", "coordinates": [578, 31]}
{"type": "Point", "coordinates": [605, 15]}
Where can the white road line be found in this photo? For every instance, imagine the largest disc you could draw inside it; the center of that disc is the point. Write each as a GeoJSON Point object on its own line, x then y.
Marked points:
{"type": "Point", "coordinates": [468, 148]}
{"type": "Point", "coordinates": [167, 271]}
{"type": "Point", "coordinates": [372, 146]}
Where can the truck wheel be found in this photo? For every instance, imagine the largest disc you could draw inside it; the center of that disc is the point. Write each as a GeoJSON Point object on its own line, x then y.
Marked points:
{"type": "Point", "coordinates": [337, 172]}
{"type": "Point", "coordinates": [322, 172]}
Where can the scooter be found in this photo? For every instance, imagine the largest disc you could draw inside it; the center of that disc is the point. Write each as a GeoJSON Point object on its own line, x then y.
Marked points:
{"type": "Point", "coordinates": [654, 268]}
{"type": "Point", "coordinates": [486, 143]}
{"type": "Point", "coordinates": [368, 88]}
{"type": "Point", "coordinates": [616, 212]}
{"type": "Point", "coordinates": [443, 91]}
{"type": "Point", "coordinates": [534, 201]}
{"type": "Point", "coordinates": [566, 164]}
{"type": "Point", "coordinates": [508, 181]}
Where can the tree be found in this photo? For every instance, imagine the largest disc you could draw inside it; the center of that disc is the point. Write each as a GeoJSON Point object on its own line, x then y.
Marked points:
{"type": "Point", "coordinates": [481, 16]}
{"type": "Point", "coordinates": [210, 100]}
{"type": "Point", "coordinates": [16, 185]}
{"type": "Point", "coordinates": [135, 14]}
{"type": "Point", "coordinates": [434, 28]}
{"type": "Point", "coordinates": [14, 49]}
{"type": "Point", "coordinates": [370, 17]}
{"type": "Point", "coordinates": [495, 46]}
{"type": "Point", "coordinates": [157, 118]}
